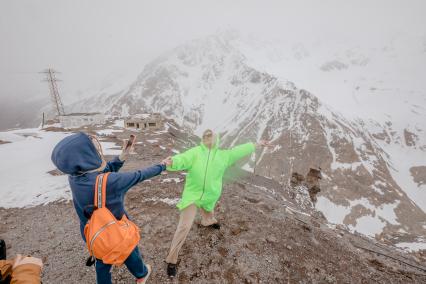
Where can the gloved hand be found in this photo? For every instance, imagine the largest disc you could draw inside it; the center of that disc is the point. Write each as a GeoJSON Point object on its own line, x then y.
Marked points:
{"type": "Point", "coordinates": [21, 260]}
{"type": "Point", "coordinates": [26, 269]}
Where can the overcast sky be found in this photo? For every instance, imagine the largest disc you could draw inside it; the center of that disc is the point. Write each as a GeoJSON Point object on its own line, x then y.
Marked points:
{"type": "Point", "coordinates": [91, 41]}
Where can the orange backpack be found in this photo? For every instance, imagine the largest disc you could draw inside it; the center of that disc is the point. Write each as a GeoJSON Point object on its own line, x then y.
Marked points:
{"type": "Point", "coordinates": [107, 238]}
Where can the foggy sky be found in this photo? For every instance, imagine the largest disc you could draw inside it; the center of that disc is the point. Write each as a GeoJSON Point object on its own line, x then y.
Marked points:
{"type": "Point", "coordinates": [93, 41]}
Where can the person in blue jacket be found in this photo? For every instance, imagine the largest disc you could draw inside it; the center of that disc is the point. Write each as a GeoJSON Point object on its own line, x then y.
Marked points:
{"type": "Point", "coordinates": [80, 157]}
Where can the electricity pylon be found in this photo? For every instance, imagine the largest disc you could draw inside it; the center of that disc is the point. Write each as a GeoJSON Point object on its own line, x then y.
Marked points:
{"type": "Point", "coordinates": [54, 93]}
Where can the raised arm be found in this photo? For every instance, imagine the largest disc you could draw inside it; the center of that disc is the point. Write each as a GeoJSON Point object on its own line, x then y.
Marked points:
{"type": "Point", "coordinates": [183, 161]}
{"type": "Point", "coordinates": [118, 161]}
{"type": "Point", "coordinates": [114, 165]}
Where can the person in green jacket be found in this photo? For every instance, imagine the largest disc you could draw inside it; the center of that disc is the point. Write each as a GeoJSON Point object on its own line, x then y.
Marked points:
{"type": "Point", "coordinates": [206, 165]}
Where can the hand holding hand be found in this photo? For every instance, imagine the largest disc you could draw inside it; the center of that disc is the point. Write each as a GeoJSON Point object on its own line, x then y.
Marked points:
{"type": "Point", "coordinates": [167, 161]}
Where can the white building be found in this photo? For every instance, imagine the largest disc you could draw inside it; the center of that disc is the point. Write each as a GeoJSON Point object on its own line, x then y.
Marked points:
{"type": "Point", "coordinates": [76, 120]}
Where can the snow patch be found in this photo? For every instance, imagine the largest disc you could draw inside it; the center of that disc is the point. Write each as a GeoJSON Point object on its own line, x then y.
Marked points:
{"type": "Point", "coordinates": [168, 180]}
{"type": "Point", "coordinates": [415, 246]}
{"type": "Point", "coordinates": [368, 224]}
{"type": "Point", "coordinates": [110, 148]}
{"type": "Point", "coordinates": [105, 132]}
{"type": "Point", "coordinates": [24, 178]}
{"type": "Point", "coordinates": [333, 212]}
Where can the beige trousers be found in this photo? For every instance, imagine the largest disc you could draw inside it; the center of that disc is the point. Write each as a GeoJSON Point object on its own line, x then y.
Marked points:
{"type": "Point", "coordinates": [187, 217]}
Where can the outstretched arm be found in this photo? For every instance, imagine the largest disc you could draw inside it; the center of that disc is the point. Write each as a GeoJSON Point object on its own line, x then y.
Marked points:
{"type": "Point", "coordinates": [240, 151]}
{"type": "Point", "coordinates": [120, 182]}
{"type": "Point", "coordinates": [183, 161]}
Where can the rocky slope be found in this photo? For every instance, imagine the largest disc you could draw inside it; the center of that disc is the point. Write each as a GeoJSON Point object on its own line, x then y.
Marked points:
{"type": "Point", "coordinates": [271, 233]}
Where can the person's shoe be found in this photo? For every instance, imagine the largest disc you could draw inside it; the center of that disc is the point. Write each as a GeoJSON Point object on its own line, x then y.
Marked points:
{"type": "Point", "coordinates": [144, 279]}
{"type": "Point", "coordinates": [215, 226]}
{"type": "Point", "coordinates": [171, 269]}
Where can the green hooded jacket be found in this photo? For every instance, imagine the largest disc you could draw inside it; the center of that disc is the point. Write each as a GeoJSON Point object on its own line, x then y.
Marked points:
{"type": "Point", "coordinates": [206, 167]}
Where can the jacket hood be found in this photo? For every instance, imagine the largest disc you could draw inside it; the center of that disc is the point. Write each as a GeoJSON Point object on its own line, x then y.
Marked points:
{"type": "Point", "coordinates": [76, 154]}
{"type": "Point", "coordinates": [215, 146]}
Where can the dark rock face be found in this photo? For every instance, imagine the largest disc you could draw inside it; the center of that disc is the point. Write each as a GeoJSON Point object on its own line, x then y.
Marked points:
{"type": "Point", "coordinates": [310, 182]}
{"type": "Point", "coordinates": [296, 179]}
{"type": "Point", "coordinates": [419, 174]}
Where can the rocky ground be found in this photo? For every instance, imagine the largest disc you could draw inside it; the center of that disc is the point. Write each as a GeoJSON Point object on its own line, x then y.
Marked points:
{"type": "Point", "coordinates": [267, 236]}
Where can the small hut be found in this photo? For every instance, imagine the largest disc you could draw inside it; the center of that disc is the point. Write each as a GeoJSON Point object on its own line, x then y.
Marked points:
{"type": "Point", "coordinates": [153, 121]}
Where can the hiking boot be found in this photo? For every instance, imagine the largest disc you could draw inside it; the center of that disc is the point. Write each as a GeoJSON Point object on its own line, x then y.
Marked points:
{"type": "Point", "coordinates": [144, 279]}
{"type": "Point", "coordinates": [171, 269]}
{"type": "Point", "coordinates": [215, 226]}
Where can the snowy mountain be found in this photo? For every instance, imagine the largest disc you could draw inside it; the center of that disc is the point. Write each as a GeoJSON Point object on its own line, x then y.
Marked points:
{"type": "Point", "coordinates": [214, 82]}
{"type": "Point", "coordinates": [378, 80]}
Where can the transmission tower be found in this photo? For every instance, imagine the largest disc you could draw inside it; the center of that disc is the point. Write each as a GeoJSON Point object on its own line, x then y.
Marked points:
{"type": "Point", "coordinates": [54, 93]}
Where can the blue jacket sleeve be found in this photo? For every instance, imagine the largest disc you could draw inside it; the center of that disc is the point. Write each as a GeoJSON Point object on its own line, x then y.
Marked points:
{"type": "Point", "coordinates": [114, 165]}
{"type": "Point", "coordinates": [122, 182]}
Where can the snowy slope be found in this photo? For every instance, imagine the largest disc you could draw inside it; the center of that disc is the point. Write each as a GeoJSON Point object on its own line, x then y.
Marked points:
{"type": "Point", "coordinates": [24, 176]}
{"type": "Point", "coordinates": [379, 80]}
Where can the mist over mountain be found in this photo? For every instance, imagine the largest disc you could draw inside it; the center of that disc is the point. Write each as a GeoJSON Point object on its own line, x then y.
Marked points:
{"type": "Point", "coordinates": [215, 82]}
{"type": "Point", "coordinates": [21, 113]}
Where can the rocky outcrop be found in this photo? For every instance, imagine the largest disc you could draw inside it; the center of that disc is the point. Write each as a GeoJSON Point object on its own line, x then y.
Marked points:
{"type": "Point", "coordinates": [310, 183]}
{"type": "Point", "coordinates": [419, 174]}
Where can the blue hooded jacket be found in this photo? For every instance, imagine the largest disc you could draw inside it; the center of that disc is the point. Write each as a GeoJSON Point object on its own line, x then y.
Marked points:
{"type": "Point", "coordinates": [75, 155]}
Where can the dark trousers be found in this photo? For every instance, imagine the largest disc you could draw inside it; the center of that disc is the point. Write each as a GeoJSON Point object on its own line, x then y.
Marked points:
{"type": "Point", "coordinates": [134, 263]}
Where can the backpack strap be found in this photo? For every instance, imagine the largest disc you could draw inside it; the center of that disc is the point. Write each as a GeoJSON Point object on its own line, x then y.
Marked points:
{"type": "Point", "coordinates": [100, 190]}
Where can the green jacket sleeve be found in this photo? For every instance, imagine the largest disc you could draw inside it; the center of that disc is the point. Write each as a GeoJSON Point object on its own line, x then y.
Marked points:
{"type": "Point", "coordinates": [239, 152]}
{"type": "Point", "coordinates": [183, 161]}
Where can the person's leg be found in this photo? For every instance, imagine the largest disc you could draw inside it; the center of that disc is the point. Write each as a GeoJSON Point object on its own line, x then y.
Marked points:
{"type": "Point", "coordinates": [136, 265]}
{"type": "Point", "coordinates": [207, 218]}
{"type": "Point", "coordinates": [186, 220]}
{"type": "Point", "coordinates": [103, 272]}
